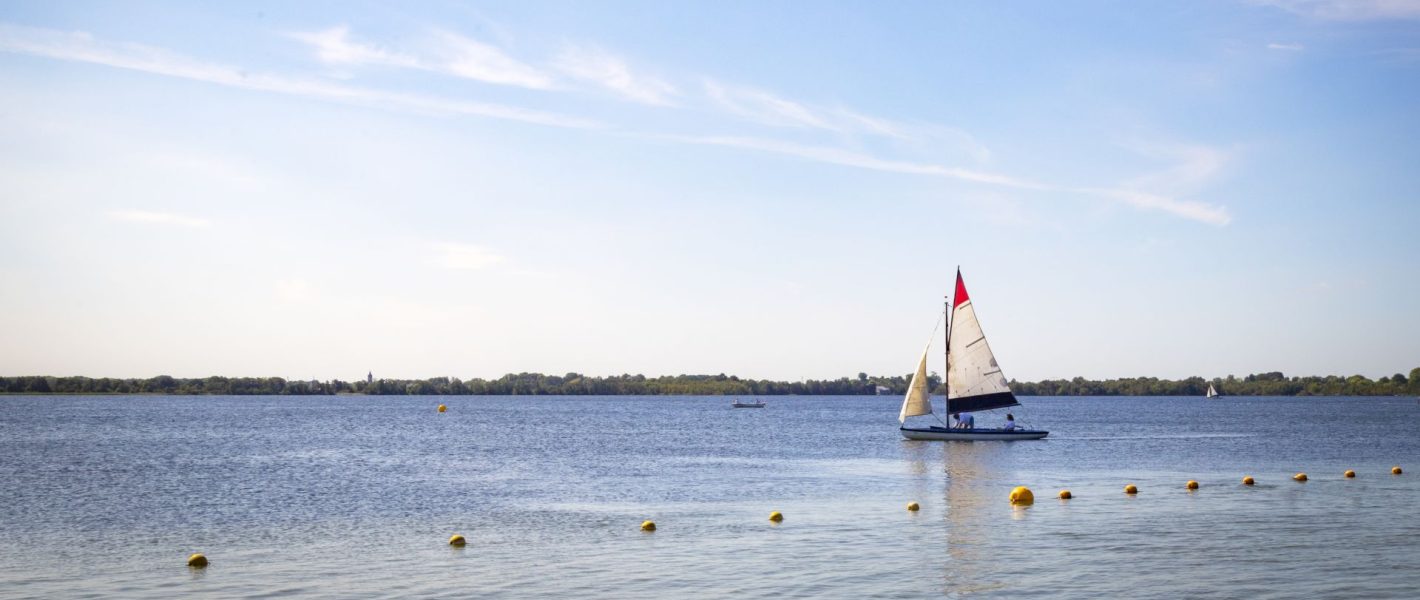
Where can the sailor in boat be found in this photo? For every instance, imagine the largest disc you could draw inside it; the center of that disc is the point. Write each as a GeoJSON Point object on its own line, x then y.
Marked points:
{"type": "Point", "coordinates": [1010, 422]}
{"type": "Point", "coordinates": [965, 421]}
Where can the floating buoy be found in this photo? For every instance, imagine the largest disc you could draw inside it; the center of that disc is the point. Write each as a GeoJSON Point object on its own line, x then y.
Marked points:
{"type": "Point", "coordinates": [443, 408]}
{"type": "Point", "coordinates": [1192, 485]}
{"type": "Point", "coordinates": [1247, 480]}
{"type": "Point", "coordinates": [648, 526]}
{"type": "Point", "coordinates": [1349, 473]}
{"type": "Point", "coordinates": [1022, 496]}
{"type": "Point", "coordinates": [197, 561]}
{"type": "Point", "coordinates": [457, 540]}
{"type": "Point", "coordinates": [1065, 495]}
{"type": "Point", "coordinates": [776, 516]}
{"type": "Point", "coordinates": [1300, 477]}
{"type": "Point", "coordinates": [1395, 470]}
{"type": "Point", "coordinates": [912, 506]}
{"type": "Point", "coordinates": [1130, 489]}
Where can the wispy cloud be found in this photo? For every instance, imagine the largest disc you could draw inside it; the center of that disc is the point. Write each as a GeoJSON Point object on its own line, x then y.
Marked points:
{"type": "Point", "coordinates": [83, 47]}
{"type": "Point", "coordinates": [1188, 209]}
{"type": "Point", "coordinates": [771, 109]}
{"type": "Point", "coordinates": [1190, 165]}
{"type": "Point", "coordinates": [464, 257]}
{"type": "Point", "coordinates": [448, 53]}
{"type": "Point", "coordinates": [471, 59]}
{"type": "Point", "coordinates": [1197, 211]}
{"type": "Point", "coordinates": [157, 218]}
{"type": "Point", "coordinates": [597, 66]}
{"type": "Point", "coordinates": [1349, 10]}
{"type": "Point", "coordinates": [848, 158]}
{"type": "Point", "coordinates": [1286, 47]}
{"type": "Point", "coordinates": [335, 47]}
{"type": "Point", "coordinates": [763, 107]}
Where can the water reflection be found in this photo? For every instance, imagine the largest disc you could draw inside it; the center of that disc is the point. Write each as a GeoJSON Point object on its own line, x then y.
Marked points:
{"type": "Point", "coordinates": [969, 476]}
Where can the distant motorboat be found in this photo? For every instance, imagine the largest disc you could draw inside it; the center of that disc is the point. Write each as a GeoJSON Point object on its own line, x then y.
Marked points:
{"type": "Point", "coordinates": [974, 381]}
{"type": "Point", "coordinates": [748, 404]}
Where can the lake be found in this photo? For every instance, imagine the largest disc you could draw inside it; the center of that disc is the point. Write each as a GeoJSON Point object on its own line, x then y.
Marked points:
{"type": "Point", "coordinates": [354, 496]}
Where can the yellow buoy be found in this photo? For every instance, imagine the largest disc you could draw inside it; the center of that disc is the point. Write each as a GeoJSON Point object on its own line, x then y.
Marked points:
{"type": "Point", "coordinates": [1065, 495]}
{"type": "Point", "coordinates": [1395, 470]}
{"type": "Point", "coordinates": [1192, 485]}
{"type": "Point", "coordinates": [648, 526]}
{"type": "Point", "coordinates": [1022, 495]}
{"type": "Point", "coordinates": [1247, 480]}
{"type": "Point", "coordinates": [197, 560]}
{"type": "Point", "coordinates": [1349, 473]}
{"type": "Point", "coordinates": [1130, 489]}
{"type": "Point", "coordinates": [776, 516]}
{"type": "Point", "coordinates": [1300, 477]}
{"type": "Point", "coordinates": [443, 408]}
{"type": "Point", "coordinates": [912, 506]}
{"type": "Point", "coordinates": [457, 540]}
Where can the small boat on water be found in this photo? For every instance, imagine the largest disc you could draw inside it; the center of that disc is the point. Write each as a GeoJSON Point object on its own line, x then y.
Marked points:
{"type": "Point", "coordinates": [974, 381]}
{"type": "Point", "coordinates": [748, 404]}
{"type": "Point", "coordinates": [1212, 393]}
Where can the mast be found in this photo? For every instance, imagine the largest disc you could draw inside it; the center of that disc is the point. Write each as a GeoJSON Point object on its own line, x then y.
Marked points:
{"type": "Point", "coordinates": [947, 352]}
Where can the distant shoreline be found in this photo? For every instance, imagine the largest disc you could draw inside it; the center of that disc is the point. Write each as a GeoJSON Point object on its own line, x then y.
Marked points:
{"type": "Point", "coordinates": [574, 384]}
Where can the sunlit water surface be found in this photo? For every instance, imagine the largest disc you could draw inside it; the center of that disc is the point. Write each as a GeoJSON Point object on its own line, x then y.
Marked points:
{"type": "Point", "coordinates": [355, 497]}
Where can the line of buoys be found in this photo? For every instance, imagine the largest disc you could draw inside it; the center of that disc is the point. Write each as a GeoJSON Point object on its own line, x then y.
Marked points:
{"type": "Point", "coordinates": [648, 526]}
{"type": "Point", "coordinates": [1130, 489]}
{"type": "Point", "coordinates": [197, 561]}
{"type": "Point", "coordinates": [1300, 477]}
{"type": "Point", "coordinates": [913, 507]}
{"type": "Point", "coordinates": [776, 516]}
{"type": "Point", "coordinates": [1192, 485]}
{"type": "Point", "coordinates": [457, 540]}
{"type": "Point", "coordinates": [1349, 473]}
{"type": "Point", "coordinates": [1395, 470]}
{"type": "Point", "coordinates": [1247, 480]}
{"type": "Point", "coordinates": [1065, 495]}
{"type": "Point", "coordinates": [443, 408]}
{"type": "Point", "coordinates": [1022, 496]}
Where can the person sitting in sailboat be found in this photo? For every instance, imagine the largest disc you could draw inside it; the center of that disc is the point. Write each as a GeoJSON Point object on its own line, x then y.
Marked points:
{"type": "Point", "coordinates": [1010, 422]}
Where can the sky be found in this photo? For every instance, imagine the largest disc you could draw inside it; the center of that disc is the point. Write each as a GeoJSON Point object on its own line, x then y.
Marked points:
{"type": "Point", "coordinates": [778, 190]}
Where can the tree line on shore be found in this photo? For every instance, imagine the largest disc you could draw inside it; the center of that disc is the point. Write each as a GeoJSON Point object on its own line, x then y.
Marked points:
{"type": "Point", "coordinates": [574, 384]}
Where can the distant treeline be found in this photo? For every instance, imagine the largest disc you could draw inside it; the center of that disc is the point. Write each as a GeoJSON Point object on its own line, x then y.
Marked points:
{"type": "Point", "coordinates": [1261, 384]}
{"type": "Point", "coordinates": [573, 384]}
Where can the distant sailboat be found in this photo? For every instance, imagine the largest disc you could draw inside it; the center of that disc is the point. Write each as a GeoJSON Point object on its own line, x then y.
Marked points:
{"type": "Point", "coordinates": [749, 404]}
{"type": "Point", "coordinates": [974, 381]}
{"type": "Point", "coordinates": [1212, 393]}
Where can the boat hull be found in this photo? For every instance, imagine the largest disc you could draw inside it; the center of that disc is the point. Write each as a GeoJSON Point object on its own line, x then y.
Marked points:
{"type": "Point", "coordinates": [969, 435]}
{"type": "Point", "coordinates": [747, 405]}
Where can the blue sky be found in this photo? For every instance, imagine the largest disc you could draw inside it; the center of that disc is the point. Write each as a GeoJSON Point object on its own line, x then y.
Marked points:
{"type": "Point", "coordinates": [782, 190]}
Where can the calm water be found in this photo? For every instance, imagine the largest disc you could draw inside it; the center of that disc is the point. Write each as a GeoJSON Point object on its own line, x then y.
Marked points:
{"type": "Point", "coordinates": [354, 497]}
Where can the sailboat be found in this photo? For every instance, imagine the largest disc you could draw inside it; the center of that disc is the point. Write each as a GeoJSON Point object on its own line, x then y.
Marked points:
{"type": "Point", "coordinates": [974, 381]}
{"type": "Point", "coordinates": [1212, 393]}
{"type": "Point", "coordinates": [737, 403]}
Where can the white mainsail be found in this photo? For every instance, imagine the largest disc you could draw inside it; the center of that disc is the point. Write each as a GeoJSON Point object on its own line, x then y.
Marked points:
{"type": "Point", "coordinates": [974, 380]}
{"type": "Point", "coordinates": [918, 400]}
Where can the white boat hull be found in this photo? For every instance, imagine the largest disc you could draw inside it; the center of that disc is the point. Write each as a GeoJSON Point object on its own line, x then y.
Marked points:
{"type": "Point", "coordinates": [968, 435]}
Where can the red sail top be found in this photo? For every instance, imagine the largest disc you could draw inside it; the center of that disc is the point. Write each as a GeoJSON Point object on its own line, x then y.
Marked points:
{"type": "Point", "coordinates": [961, 292]}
